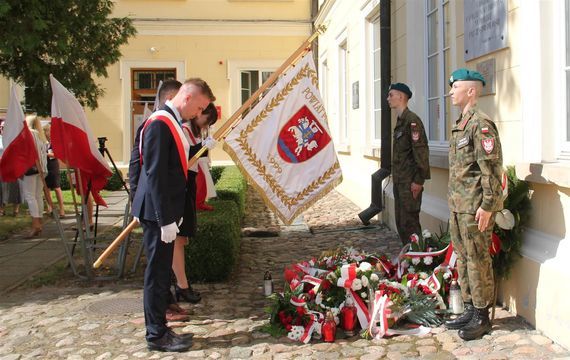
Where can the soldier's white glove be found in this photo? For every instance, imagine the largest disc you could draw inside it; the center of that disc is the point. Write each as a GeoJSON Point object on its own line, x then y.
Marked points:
{"type": "Point", "coordinates": [209, 143]}
{"type": "Point", "coordinates": [136, 219]}
{"type": "Point", "coordinates": [168, 232]}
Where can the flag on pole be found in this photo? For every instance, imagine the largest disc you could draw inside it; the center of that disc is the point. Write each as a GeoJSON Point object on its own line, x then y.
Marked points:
{"type": "Point", "coordinates": [19, 148]}
{"type": "Point", "coordinates": [284, 146]}
{"type": "Point", "coordinates": [147, 112]}
{"type": "Point", "coordinates": [156, 98]}
{"type": "Point", "coordinates": [73, 142]}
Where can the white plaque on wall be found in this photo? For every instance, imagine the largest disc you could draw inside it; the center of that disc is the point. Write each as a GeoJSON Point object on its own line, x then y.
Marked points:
{"type": "Point", "coordinates": [485, 24]}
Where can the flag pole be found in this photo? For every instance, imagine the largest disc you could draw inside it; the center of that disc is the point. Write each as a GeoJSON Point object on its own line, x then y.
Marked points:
{"type": "Point", "coordinates": [224, 130]}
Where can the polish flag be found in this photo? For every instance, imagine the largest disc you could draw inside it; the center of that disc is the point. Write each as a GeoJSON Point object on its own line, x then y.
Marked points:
{"type": "Point", "coordinates": [73, 142]}
{"type": "Point", "coordinates": [19, 148]}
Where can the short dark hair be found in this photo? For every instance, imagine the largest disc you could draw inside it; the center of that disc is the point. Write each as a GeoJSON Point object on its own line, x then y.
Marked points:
{"type": "Point", "coordinates": [202, 86]}
{"type": "Point", "coordinates": [168, 86]}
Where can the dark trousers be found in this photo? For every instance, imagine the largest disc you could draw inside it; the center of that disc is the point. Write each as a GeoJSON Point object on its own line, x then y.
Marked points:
{"type": "Point", "coordinates": [407, 211]}
{"type": "Point", "coordinates": [156, 280]}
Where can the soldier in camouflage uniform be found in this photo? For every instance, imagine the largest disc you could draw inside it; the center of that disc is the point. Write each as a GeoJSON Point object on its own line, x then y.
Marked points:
{"type": "Point", "coordinates": [410, 163]}
{"type": "Point", "coordinates": [475, 194]}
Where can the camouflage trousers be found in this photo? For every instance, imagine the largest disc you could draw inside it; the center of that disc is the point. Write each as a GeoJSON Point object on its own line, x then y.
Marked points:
{"type": "Point", "coordinates": [407, 211]}
{"type": "Point", "coordinates": [474, 263]}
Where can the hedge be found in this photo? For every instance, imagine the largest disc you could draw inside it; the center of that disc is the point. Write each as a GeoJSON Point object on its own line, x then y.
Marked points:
{"type": "Point", "coordinates": [113, 184]}
{"type": "Point", "coordinates": [232, 186]}
{"type": "Point", "coordinates": [214, 251]}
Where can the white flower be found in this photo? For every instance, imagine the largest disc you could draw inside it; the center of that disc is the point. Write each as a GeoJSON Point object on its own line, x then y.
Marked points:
{"type": "Point", "coordinates": [331, 277]}
{"type": "Point", "coordinates": [426, 234]}
{"type": "Point", "coordinates": [428, 260]}
{"type": "Point", "coordinates": [363, 295]}
{"type": "Point", "coordinates": [364, 280]}
{"type": "Point", "coordinates": [411, 270]}
{"type": "Point", "coordinates": [405, 263]}
{"type": "Point", "coordinates": [356, 284]}
{"type": "Point", "coordinates": [447, 275]}
{"type": "Point", "coordinates": [423, 275]}
{"type": "Point", "coordinates": [365, 266]}
{"type": "Point", "coordinates": [416, 260]}
{"type": "Point", "coordinates": [374, 277]}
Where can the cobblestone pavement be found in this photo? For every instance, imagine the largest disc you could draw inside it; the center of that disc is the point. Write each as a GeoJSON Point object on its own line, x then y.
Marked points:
{"type": "Point", "coordinates": [106, 322]}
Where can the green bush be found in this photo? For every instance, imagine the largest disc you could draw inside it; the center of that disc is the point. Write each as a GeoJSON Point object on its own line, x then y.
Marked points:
{"type": "Point", "coordinates": [114, 182]}
{"type": "Point", "coordinates": [216, 172]}
{"type": "Point", "coordinates": [64, 180]}
{"type": "Point", "coordinates": [213, 252]}
{"type": "Point", "coordinates": [232, 186]}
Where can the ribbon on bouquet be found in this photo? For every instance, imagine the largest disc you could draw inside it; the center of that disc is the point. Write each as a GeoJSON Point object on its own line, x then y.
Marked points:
{"type": "Point", "coordinates": [347, 276]}
{"type": "Point", "coordinates": [450, 257]}
{"type": "Point", "coordinates": [306, 268]}
{"type": "Point", "coordinates": [315, 319]}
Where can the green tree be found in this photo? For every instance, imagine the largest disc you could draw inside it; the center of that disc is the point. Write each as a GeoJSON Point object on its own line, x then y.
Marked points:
{"type": "Point", "coordinates": [71, 39]}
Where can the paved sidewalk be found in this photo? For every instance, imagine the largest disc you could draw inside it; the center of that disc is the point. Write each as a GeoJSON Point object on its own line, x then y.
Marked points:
{"type": "Point", "coordinates": [106, 321]}
{"type": "Point", "coordinates": [21, 258]}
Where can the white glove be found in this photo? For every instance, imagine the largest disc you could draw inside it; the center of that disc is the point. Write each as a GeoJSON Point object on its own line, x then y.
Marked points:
{"type": "Point", "coordinates": [168, 233]}
{"type": "Point", "coordinates": [209, 143]}
{"type": "Point", "coordinates": [136, 219]}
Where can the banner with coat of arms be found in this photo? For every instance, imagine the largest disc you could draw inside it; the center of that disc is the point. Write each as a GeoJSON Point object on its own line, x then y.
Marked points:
{"type": "Point", "coordinates": [283, 145]}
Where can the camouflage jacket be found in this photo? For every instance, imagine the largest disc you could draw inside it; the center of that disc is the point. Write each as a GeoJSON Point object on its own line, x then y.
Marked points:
{"type": "Point", "coordinates": [475, 164]}
{"type": "Point", "coordinates": [410, 153]}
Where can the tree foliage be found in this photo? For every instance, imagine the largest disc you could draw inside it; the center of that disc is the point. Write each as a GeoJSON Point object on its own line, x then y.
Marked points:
{"type": "Point", "coordinates": [71, 39]}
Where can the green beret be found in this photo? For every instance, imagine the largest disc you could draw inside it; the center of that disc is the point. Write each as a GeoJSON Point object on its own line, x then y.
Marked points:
{"type": "Point", "coordinates": [466, 75]}
{"type": "Point", "coordinates": [401, 87]}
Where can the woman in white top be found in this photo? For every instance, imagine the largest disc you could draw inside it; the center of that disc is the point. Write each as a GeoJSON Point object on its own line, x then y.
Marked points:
{"type": "Point", "coordinates": [32, 183]}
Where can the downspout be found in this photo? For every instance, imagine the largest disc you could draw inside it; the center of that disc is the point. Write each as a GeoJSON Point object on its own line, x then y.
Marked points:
{"type": "Point", "coordinates": [376, 205]}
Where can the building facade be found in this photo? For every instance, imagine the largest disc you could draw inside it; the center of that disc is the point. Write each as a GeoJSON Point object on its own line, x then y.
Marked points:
{"type": "Point", "coordinates": [232, 44]}
{"type": "Point", "coordinates": [527, 95]}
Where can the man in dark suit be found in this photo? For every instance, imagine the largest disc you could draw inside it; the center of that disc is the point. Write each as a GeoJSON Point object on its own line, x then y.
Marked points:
{"type": "Point", "coordinates": [158, 204]}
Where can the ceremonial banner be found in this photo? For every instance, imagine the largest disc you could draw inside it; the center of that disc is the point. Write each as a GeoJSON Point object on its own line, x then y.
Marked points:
{"type": "Point", "coordinates": [20, 152]}
{"type": "Point", "coordinates": [73, 142]}
{"type": "Point", "coordinates": [283, 145]}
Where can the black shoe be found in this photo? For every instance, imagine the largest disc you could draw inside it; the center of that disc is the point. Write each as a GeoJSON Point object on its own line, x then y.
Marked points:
{"type": "Point", "coordinates": [478, 326]}
{"type": "Point", "coordinates": [183, 337]}
{"type": "Point", "coordinates": [169, 343]}
{"type": "Point", "coordinates": [194, 291]}
{"type": "Point", "coordinates": [462, 320]}
{"type": "Point", "coordinates": [187, 295]}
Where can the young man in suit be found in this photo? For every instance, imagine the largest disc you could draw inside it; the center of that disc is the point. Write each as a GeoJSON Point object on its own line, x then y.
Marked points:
{"type": "Point", "coordinates": [158, 203]}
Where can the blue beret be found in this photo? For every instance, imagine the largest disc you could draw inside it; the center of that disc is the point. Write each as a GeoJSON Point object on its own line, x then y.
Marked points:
{"type": "Point", "coordinates": [401, 87]}
{"type": "Point", "coordinates": [466, 75]}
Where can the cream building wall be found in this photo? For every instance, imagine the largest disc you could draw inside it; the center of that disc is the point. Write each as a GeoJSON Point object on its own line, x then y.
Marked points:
{"type": "Point", "coordinates": [526, 108]}
{"type": "Point", "coordinates": [212, 39]}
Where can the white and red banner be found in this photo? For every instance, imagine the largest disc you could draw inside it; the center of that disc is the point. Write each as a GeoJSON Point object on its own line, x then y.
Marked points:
{"type": "Point", "coordinates": [284, 146]}
{"type": "Point", "coordinates": [73, 142]}
{"type": "Point", "coordinates": [20, 152]}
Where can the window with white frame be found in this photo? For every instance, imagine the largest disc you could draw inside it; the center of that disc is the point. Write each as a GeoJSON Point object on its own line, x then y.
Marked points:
{"type": "Point", "coordinates": [251, 80]}
{"type": "Point", "coordinates": [567, 71]}
{"type": "Point", "coordinates": [376, 83]}
{"type": "Point", "coordinates": [324, 78]}
{"type": "Point", "coordinates": [343, 92]}
{"type": "Point", "coordinates": [438, 66]}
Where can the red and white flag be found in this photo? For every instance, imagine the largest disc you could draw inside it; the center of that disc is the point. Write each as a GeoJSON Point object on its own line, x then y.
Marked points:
{"type": "Point", "coordinates": [73, 142]}
{"type": "Point", "coordinates": [283, 145]}
{"type": "Point", "coordinates": [20, 152]}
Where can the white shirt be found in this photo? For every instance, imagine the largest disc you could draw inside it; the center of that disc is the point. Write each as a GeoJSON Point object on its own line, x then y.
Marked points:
{"type": "Point", "coordinates": [175, 110]}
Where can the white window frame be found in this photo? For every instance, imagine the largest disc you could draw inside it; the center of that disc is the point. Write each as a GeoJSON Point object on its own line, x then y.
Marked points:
{"type": "Point", "coordinates": [374, 141]}
{"type": "Point", "coordinates": [564, 152]}
{"type": "Point", "coordinates": [441, 144]}
{"type": "Point", "coordinates": [343, 91]}
{"type": "Point", "coordinates": [234, 69]}
{"type": "Point", "coordinates": [259, 81]}
{"type": "Point", "coordinates": [324, 74]}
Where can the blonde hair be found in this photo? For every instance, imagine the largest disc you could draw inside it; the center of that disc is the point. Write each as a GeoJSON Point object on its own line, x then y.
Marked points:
{"type": "Point", "coordinates": [34, 123]}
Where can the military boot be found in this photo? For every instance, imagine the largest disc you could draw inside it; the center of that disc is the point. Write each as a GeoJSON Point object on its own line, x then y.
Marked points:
{"type": "Point", "coordinates": [478, 326]}
{"type": "Point", "coordinates": [464, 319]}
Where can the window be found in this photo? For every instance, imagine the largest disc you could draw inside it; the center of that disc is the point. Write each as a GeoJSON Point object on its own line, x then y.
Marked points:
{"type": "Point", "coordinates": [251, 80]}
{"type": "Point", "coordinates": [343, 92]}
{"type": "Point", "coordinates": [324, 77]}
{"type": "Point", "coordinates": [438, 66]}
{"type": "Point", "coordinates": [377, 85]}
{"type": "Point", "coordinates": [567, 69]}
{"type": "Point", "coordinates": [149, 79]}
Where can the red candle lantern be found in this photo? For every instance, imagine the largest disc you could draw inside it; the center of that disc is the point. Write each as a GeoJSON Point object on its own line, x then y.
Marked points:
{"type": "Point", "coordinates": [348, 314]}
{"type": "Point", "coordinates": [328, 329]}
